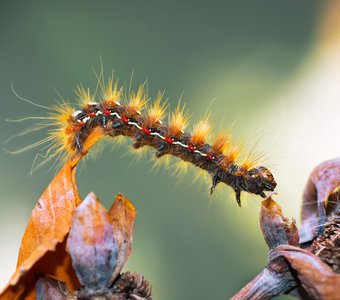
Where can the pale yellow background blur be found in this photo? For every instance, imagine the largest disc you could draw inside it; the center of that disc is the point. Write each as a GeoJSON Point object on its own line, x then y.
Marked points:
{"type": "Point", "coordinates": [274, 67]}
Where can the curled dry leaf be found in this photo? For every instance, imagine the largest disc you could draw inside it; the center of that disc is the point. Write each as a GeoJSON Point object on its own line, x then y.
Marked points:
{"type": "Point", "coordinates": [323, 181]}
{"type": "Point", "coordinates": [42, 248]}
{"type": "Point", "coordinates": [316, 279]}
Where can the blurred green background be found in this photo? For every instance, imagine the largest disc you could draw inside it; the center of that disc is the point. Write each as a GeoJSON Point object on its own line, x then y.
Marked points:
{"type": "Point", "coordinates": [231, 57]}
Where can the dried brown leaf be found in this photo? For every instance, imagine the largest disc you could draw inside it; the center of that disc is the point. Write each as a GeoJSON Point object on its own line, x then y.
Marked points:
{"type": "Point", "coordinates": [42, 248]}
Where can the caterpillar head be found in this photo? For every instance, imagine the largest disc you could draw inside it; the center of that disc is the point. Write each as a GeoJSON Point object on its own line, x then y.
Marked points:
{"type": "Point", "coordinates": [255, 181]}
{"type": "Point", "coordinates": [258, 180]}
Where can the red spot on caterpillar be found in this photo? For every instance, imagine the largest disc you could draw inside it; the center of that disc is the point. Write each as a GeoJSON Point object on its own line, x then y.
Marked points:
{"type": "Point", "coordinates": [210, 156]}
{"type": "Point", "coordinates": [191, 147]}
{"type": "Point", "coordinates": [106, 112]}
{"type": "Point", "coordinates": [125, 119]}
{"type": "Point", "coordinates": [169, 139]}
{"type": "Point", "coordinates": [92, 114]}
{"type": "Point", "coordinates": [146, 130]}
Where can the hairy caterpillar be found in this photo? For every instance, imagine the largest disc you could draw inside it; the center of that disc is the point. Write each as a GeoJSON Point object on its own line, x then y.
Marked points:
{"type": "Point", "coordinates": [77, 130]}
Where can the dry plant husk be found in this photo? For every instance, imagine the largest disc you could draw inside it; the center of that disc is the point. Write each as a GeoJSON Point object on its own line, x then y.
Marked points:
{"type": "Point", "coordinates": [303, 263]}
{"type": "Point", "coordinates": [75, 249]}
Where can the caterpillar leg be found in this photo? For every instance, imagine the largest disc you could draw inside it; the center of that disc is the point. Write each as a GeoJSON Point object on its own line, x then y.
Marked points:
{"type": "Point", "coordinates": [78, 144]}
{"type": "Point", "coordinates": [262, 194]}
{"type": "Point", "coordinates": [160, 150]}
{"type": "Point", "coordinates": [138, 141]}
{"type": "Point", "coordinates": [116, 124]}
{"type": "Point", "coordinates": [238, 197]}
{"type": "Point", "coordinates": [216, 179]}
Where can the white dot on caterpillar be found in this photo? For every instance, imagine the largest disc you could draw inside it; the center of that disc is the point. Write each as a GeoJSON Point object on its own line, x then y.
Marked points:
{"type": "Point", "coordinates": [76, 113]}
{"type": "Point", "coordinates": [86, 119]}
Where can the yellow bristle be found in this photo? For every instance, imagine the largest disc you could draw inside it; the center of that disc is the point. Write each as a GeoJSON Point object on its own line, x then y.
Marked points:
{"type": "Point", "coordinates": [63, 132]}
{"type": "Point", "coordinates": [178, 121]}
{"type": "Point", "coordinates": [156, 112]}
{"type": "Point", "coordinates": [221, 143]}
{"type": "Point", "coordinates": [137, 100]}
{"type": "Point", "coordinates": [179, 168]}
{"type": "Point", "coordinates": [248, 163]}
{"type": "Point", "coordinates": [110, 91]}
{"type": "Point", "coordinates": [200, 175]}
{"type": "Point", "coordinates": [252, 160]}
{"type": "Point", "coordinates": [84, 95]}
{"type": "Point", "coordinates": [201, 131]}
{"type": "Point", "coordinates": [163, 162]}
{"type": "Point", "coordinates": [138, 155]}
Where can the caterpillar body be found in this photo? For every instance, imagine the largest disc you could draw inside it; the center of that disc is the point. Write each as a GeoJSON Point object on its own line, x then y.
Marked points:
{"type": "Point", "coordinates": [77, 130]}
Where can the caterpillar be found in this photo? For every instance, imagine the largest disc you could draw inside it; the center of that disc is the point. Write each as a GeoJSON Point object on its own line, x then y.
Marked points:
{"type": "Point", "coordinates": [77, 130]}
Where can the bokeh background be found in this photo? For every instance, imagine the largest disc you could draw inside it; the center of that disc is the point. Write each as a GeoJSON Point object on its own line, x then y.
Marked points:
{"type": "Point", "coordinates": [273, 67]}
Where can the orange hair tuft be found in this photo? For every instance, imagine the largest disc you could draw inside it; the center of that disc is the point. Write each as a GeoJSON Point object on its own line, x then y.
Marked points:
{"type": "Point", "coordinates": [63, 132]}
{"type": "Point", "coordinates": [156, 112]}
{"type": "Point", "coordinates": [111, 92]}
{"type": "Point", "coordinates": [249, 163]}
{"type": "Point", "coordinates": [137, 100]}
{"type": "Point", "coordinates": [233, 153]}
{"type": "Point", "coordinates": [201, 131]}
{"type": "Point", "coordinates": [178, 120]}
{"type": "Point", "coordinates": [221, 143]}
{"type": "Point", "coordinates": [84, 95]}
